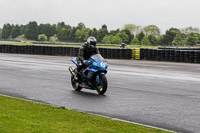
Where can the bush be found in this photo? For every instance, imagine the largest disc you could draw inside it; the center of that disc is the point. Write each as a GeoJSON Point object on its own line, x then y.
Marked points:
{"type": "Point", "coordinates": [42, 37]}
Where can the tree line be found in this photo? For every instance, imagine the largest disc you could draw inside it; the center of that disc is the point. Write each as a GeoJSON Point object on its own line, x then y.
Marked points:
{"type": "Point", "coordinates": [130, 34]}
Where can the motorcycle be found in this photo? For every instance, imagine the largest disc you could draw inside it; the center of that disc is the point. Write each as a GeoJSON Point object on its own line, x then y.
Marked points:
{"type": "Point", "coordinates": [93, 76]}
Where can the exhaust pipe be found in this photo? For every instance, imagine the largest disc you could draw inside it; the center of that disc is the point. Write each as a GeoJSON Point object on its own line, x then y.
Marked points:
{"type": "Point", "coordinates": [71, 71]}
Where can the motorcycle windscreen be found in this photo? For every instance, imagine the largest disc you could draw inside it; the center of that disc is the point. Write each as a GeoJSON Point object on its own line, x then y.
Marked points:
{"type": "Point", "coordinates": [97, 57]}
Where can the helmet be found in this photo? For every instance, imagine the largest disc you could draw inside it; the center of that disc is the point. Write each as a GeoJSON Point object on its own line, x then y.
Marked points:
{"type": "Point", "coordinates": [91, 41]}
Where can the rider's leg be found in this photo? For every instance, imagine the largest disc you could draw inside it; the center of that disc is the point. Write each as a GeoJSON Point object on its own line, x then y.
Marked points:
{"type": "Point", "coordinates": [78, 69]}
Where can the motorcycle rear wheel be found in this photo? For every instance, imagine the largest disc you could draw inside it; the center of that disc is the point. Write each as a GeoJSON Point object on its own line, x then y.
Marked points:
{"type": "Point", "coordinates": [103, 84]}
{"type": "Point", "coordinates": [75, 84]}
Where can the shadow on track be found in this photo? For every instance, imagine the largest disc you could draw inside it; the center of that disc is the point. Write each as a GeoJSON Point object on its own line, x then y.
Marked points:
{"type": "Point", "coordinates": [87, 94]}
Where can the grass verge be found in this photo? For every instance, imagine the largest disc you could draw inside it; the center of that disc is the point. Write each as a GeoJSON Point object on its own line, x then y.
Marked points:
{"type": "Point", "coordinates": [65, 44]}
{"type": "Point", "coordinates": [19, 116]}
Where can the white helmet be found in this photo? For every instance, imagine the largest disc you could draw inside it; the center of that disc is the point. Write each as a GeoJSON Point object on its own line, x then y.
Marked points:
{"type": "Point", "coordinates": [92, 41]}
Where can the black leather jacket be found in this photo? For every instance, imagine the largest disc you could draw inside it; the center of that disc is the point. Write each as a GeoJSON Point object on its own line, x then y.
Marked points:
{"type": "Point", "coordinates": [85, 52]}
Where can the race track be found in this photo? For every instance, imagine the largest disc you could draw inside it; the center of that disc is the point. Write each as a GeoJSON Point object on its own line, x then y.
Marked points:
{"type": "Point", "coordinates": [161, 94]}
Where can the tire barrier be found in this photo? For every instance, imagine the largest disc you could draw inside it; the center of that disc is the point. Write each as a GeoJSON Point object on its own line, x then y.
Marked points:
{"type": "Point", "coordinates": [190, 55]}
{"type": "Point", "coordinates": [197, 57]}
{"type": "Point", "coordinates": [108, 53]}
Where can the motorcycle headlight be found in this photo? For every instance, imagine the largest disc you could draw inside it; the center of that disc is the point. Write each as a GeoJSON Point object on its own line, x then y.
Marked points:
{"type": "Point", "coordinates": [103, 64]}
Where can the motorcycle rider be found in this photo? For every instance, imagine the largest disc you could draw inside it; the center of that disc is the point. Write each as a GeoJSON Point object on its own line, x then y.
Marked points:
{"type": "Point", "coordinates": [85, 52]}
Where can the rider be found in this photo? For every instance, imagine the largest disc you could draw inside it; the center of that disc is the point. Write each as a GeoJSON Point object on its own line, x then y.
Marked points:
{"type": "Point", "coordinates": [85, 52]}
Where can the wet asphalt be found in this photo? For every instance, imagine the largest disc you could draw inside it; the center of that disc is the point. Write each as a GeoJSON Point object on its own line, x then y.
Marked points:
{"type": "Point", "coordinates": [161, 94]}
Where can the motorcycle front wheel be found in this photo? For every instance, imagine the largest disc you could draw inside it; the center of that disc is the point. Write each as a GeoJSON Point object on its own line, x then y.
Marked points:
{"type": "Point", "coordinates": [102, 85]}
{"type": "Point", "coordinates": [75, 84]}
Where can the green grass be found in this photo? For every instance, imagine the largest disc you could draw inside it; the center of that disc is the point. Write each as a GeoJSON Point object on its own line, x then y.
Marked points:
{"type": "Point", "coordinates": [63, 44]}
{"type": "Point", "coordinates": [19, 116]}
{"type": "Point", "coordinates": [142, 46]}
{"type": "Point", "coordinates": [67, 44]}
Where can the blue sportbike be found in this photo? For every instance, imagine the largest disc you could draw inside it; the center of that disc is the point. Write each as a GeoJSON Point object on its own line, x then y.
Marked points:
{"type": "Point", "coordinates": [93, 76]}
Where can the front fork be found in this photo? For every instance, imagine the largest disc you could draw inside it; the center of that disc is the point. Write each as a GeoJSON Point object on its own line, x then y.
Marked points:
{"type": "Point", "coordinates": [98, 79]}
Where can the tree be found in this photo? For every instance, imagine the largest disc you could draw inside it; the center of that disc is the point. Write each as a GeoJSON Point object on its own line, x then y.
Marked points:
{"type": "Point", "coordinates": [135, 41]}
{"type": "Point", "coordinates": [192, 38]}
{"type": "Point", "coordinates": [16, 31]}
{"type": "Point", "coordinates": [130, 35]}
{"type": "Point", "coordinates": [73, 34]}
{"type": "Point", "coordinates": [114, 32]}
{"type": "Point", "coordinates": [78, 35]}
{"type": "Point", "coordinates": [159, 40]}
{"type": "Point", "coordinates": [60, 25]}
{"type": "Point", "coordinates": [152, 30]}
{"type": "Point", "coordinates": [102, 32]}
{"type": "Point", "coordinates": [0, 32]}
{"type": "Point", "coordinates": [134, 29]}
{"type": "Point", "coordinates": [178, 40]}
{"type": "Point", "coordinates": [47, 29]}
{"type": "Point", "coordinates": [140, 36]}
{"type": "Point", "coordinates": [22, 29]}
{"type": "Point", "coordinates": [190, 29]}
{"type": "Point", "coordinates": [80, 26]}
{"type": "Point", "coordinates": [6, 31]}
{"type": "Point", "coordinates": [116, 40]}
{"type": "Point", "coordinates": [83, 34]}
{"type": "Point", "coordinates": [42, 37]}
{"type": "Point", "coordinates": [170, 35]}
{"type": "Point", "coordinates": [31, 31]}
{"type": "Point", "coordinates": [152, 39]}
{"type": "Point", "coordinates": [61, 34]}
{"type": "Point", "coordinates": [123, 36]}
{"type": "Point", "coordinates": [107, 39]}
{"type": "Point", "coordinates": [94, 32]}
{"type": "Point", "coordinates": [53, 38]}
{"type": "Point", "coordinates": [145, 41]}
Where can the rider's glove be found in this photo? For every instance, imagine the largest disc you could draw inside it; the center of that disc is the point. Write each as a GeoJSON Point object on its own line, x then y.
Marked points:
{"type": "Point", "coordinates": [86, 62]}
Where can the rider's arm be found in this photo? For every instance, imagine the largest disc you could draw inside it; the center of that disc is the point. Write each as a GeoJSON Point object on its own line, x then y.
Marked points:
{"type": "Point", "coordinates": [96, 51]}
{"type": "Point", "coordinates": [81, 54]}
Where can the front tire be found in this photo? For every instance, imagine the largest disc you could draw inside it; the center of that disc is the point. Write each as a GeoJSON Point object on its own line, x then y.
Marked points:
{"type": "Point", "coordinates": [75, 84]}
{"type": "Point", "coordinates": [103, 84]}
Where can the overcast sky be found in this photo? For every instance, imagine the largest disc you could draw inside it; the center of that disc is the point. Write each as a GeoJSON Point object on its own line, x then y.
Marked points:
{"type": "Point", "coordinates": [94, 13]}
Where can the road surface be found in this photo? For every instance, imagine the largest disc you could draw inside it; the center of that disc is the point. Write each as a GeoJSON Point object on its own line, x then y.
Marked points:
{"type": "Point", "coordinates": [161, 94]}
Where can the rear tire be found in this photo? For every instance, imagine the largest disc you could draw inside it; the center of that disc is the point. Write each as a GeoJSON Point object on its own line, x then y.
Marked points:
{"type": "Point", "coordinates": [75, 84]}
{"type": "Point", "coordinates": [103, 84]}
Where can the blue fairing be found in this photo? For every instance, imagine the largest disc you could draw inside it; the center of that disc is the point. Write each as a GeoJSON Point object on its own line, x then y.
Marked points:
{"type": "Point", "coordinates": [99, 65]}
{"type": "Point", "coordinates": [93, 70]}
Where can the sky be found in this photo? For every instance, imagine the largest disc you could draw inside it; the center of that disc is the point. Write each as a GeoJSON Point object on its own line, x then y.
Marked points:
{"type": "Point", "coordinates": [94, 13]}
